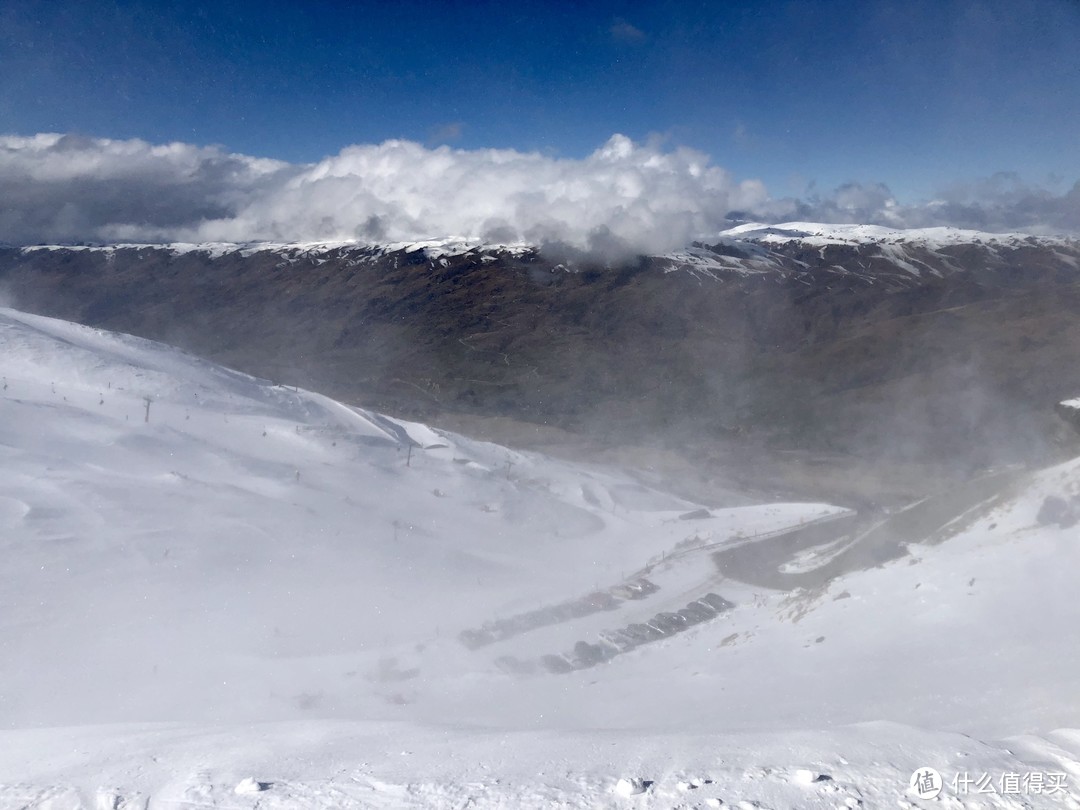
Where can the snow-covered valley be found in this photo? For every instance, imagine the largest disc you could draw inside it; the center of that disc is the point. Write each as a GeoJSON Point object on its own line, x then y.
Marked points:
{"type": "Point", "coordinates": [210, 578]}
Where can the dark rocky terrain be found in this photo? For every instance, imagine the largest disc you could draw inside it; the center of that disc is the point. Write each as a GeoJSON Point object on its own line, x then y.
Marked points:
{"type": "Point", "coordinates": [859, 371]}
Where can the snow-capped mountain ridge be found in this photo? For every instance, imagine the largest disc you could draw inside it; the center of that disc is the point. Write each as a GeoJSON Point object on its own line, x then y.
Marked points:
{"type": "Point", "coordinates": [815, 252]}
{"type": "Point", "coordinates": [824, 233]}
{"type": "Point", "coordinates": [808, 253]}
{"type": "Point", "coordinates": [810, 233]}
{"type": "Point", "coordinates": [431, 248]}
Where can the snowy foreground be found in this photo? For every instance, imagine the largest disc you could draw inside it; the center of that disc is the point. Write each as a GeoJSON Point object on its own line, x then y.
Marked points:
{"type": "Point", "coordinates": [218, 592]}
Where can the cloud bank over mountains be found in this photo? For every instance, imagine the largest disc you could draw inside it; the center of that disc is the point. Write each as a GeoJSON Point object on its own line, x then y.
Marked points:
{"type": "Point", "coordinates": [997, 204]}
{"type": "Point", "coordinates": [623, 198]}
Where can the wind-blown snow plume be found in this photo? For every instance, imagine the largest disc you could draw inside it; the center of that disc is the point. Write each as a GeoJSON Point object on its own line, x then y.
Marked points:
{"type": "Point", "coordinates": [623, 198]}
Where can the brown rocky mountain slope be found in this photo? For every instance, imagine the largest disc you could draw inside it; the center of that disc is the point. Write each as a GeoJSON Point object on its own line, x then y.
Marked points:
{"type": "Point", "coordinates": [774, 363]}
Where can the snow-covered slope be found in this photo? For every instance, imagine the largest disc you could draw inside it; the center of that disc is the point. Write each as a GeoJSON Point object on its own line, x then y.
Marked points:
{"type": "Point", "coordinates": [432, 248]}
{"type": "Point", "coordinates": [209, 578]}
{"type": "Point", "coordinates": [868, 252]}
{"type": "Point", "coordinates": [817, 233]}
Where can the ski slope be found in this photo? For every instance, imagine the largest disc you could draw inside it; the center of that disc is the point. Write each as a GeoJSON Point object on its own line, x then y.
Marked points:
{"type": "Point", "coordinates": [209, 578]}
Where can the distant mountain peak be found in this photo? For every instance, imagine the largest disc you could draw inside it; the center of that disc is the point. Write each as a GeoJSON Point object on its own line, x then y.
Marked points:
{"type": "Point", "coordinates": [839, 234]}
{"type": "Point", "coordinates": [741, 242]}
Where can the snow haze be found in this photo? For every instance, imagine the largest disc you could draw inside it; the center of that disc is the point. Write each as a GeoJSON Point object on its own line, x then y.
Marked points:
{"type": "Point", "coordinates": [268, 590]}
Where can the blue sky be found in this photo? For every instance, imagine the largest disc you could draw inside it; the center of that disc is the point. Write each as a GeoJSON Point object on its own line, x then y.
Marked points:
{"type": "Point", "coordinates": [918, 95]}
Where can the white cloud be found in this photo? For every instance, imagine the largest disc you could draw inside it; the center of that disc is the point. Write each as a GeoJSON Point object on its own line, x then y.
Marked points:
{"type": "Point", "coordinates": [995, 204]}
{"type": "Point", "coordinates": [623, 32]}
{"type": "Point", "coordinates": [68, 188]}
{"type": "Point", "coordinates": [624, 194]}
{"type": "Point", "coordinates": [446, 133]}
{"type": "Point", "coordinates": [625, 197]}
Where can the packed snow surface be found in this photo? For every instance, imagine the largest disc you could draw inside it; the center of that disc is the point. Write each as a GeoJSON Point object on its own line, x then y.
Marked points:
{"type": "Point", "coordinates": [221, 592]}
